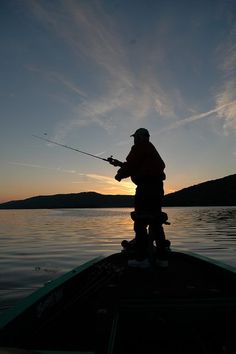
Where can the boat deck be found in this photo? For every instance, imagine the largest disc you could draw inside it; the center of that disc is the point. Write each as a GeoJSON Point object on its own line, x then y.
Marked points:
{"type": "Point", "coordinates": [187, 308]}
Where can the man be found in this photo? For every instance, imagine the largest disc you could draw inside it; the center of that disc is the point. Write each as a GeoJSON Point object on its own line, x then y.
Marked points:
{"type": "Point", "coordinates": [146, 168]}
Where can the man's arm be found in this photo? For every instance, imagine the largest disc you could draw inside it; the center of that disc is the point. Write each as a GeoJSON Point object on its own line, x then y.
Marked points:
{"type": "Point", "coordinates": [123, 172]}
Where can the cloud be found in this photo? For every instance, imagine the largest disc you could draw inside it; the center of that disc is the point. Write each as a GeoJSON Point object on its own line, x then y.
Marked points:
{"type": "Point", "coordinates": [69, 84]}
{"type": "Point", "coordinates": [225, 99]}
{"type": "Point", "coordinates": [228, 111]}
{"type": "Point", "coordinates": [95, 36]}
{"type": "Point", "coordinates": [29, 165]}
{"type": "Point", "coordinates": [60, 78]}
{"type": "Point", "coordinates": [88, 30]}
{"type": "Point", "coordinates": [128, 86]}
{"type": "Point", "coordinates": [106, 183]}
{"type": "Point", "coordinates": [219, 111]}
{"type": "Point", "coordinates": [227, 91]}
{"type": "Point", "coordinates": [90, 112]}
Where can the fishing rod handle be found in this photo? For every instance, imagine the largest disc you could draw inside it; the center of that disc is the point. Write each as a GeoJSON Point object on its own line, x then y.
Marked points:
{"type": "Point", "coordinates": [114, 162]}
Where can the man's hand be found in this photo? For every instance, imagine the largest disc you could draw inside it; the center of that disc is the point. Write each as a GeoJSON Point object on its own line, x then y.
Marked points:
{"type": "Point", "coordinates": [114, 162]}
{"type": "Point", "coordinates": [122, 173]}
{"type": "Point", "coordinates": [117, 177]}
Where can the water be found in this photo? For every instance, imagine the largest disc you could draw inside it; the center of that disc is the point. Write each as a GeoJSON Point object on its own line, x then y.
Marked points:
{"type": "Point", "coordinates": [39, 245]}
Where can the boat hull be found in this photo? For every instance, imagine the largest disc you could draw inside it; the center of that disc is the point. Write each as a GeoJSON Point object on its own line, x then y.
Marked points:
{"type": "Point", "coordinates": [105, 306]}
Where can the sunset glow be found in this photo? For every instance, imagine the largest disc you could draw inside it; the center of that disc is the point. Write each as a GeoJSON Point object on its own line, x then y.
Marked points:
{"type": "Point", "coordinates": [89, 73]}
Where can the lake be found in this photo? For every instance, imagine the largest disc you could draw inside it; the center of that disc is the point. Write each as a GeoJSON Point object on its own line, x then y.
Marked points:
{"type": "Point", "coordinates": [39, 245]}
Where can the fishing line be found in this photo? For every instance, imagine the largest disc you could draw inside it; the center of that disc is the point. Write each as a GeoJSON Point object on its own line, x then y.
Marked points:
{"type": "Point", "coordinates": [69, 147]}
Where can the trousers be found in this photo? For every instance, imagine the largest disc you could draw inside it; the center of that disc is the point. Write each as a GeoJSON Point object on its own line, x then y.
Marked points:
{"type": "Point", "coordinates": [147, 223]}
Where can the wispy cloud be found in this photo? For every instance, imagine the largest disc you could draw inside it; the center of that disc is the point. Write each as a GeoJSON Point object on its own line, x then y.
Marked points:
{"type": "Point", "coordinates": [227, 92]}
{"type": "Point", "coordinates": [228, 112]}
{"type": "Point", "coordinates": [71, 86]}
{"type": "Point", "coordinates": [104, 182]}
{"type": "Point", "coordinates": [218, 111]}
{"type": "Point", "coordinates": [129, 90]}
{"type": "Point", "coordinates": [88, 30]}
{"type": "Point", "coordinates": [96, 36]}
{"type": "Point", "coordinates": [225, 97]}
{"type": "Point", "coordinates": [30, 165]}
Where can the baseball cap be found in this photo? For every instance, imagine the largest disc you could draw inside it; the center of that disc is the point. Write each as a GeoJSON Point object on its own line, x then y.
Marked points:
{"type": "Point", "coordinates": [141, 132]}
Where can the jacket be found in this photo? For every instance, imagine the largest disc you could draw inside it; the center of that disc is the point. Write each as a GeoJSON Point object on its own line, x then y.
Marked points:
{"type": "Point", "coordinates": [143, 164]}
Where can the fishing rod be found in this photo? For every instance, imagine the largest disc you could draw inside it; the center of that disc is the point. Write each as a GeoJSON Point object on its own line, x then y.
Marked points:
{"type": "Point", "coordinates": [110, 159]}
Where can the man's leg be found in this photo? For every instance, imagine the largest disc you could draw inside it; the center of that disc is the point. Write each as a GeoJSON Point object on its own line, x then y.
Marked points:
{"type": "Point", "coordinates": [156, 232]}
{"type": "Point", "coordinates": [140, 228]}
{"type": "Point", "coordinates": [140, 224]}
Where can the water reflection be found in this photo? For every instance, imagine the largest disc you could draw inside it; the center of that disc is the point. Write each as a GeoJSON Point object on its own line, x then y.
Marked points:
{"type": "Point", "coordinates": [206, 230]}
{"type": "Point", "coordinates": [38, 245]}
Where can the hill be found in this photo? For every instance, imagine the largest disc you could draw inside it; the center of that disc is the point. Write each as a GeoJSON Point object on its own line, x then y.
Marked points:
{"type": "Point", "coordinates": [74, 200]}
{"type": "Point", "coordinates": [219, 192]}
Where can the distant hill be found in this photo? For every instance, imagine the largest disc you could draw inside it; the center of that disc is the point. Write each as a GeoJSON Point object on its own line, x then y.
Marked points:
{"type": "Point", "coordinates": [75, 200]}
{"type": "Point", "coordinates": [219, 192]}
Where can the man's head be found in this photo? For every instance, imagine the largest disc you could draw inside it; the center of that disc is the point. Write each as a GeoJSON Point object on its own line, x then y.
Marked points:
{"type": "Point", "coordinates": [141, 135]}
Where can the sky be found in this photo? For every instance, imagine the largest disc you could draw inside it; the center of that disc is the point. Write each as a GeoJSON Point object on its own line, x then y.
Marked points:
{"type": "Point", "coordinates": [88, 73]}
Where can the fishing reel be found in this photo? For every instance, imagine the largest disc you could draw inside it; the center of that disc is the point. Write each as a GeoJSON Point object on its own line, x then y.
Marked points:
{"type": "Point", "coordinates": [114, 162]}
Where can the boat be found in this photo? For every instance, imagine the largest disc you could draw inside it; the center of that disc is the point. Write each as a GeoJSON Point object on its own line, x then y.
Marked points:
{"type": "Point", "coordinates": [105, 306]}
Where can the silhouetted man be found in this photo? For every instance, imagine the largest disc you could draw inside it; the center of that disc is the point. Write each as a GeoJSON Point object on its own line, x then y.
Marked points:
{"type": "Point", "coordinates": [146, 168]}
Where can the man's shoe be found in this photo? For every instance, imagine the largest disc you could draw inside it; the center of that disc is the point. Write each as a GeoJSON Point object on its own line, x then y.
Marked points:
{"type": "Point", "coordinates": [139, 264]}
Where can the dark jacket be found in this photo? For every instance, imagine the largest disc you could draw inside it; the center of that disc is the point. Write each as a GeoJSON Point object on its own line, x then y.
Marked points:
{"type": "Point", "coordinates": [143, 164]}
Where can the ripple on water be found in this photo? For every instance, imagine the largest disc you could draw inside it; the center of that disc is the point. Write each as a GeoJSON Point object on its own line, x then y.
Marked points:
{"type": "Point", "coordinates": [39, 245]}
